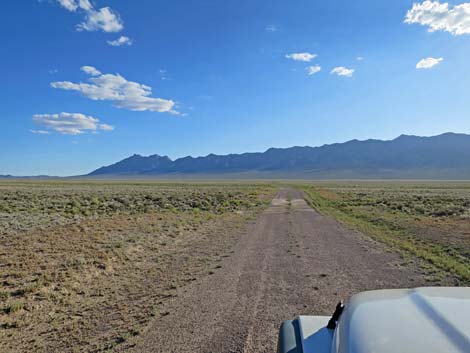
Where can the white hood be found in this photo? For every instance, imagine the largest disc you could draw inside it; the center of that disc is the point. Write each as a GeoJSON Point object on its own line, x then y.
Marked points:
{"type": "Point", "coordinates": [423, 320]}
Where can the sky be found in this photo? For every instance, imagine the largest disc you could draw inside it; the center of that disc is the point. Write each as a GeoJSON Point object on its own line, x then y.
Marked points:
{"type": "Point", "coordinates": [89, 82]}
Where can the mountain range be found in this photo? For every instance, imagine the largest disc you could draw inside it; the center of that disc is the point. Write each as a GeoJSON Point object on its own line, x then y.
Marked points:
{"type": "Point", "coordinates": [445, 156]}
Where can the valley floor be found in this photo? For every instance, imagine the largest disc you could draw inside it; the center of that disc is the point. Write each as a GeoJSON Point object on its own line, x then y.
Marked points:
{"type": "Point", "coordinates": [172, 267]}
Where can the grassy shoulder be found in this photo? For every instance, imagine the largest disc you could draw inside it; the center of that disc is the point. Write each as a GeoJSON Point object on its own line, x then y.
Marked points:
{"type": "Point", "coordinates": [387, 228]}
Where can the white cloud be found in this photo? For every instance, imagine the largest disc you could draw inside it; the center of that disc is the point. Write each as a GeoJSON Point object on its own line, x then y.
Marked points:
{"type": "Point", "coordinates": [122, 40]}
{"type": "Point", "coordinates": [85, 5]}
{"type": "Point", "coordinates": [104, 19]}
{"type": "Point", "coordinates": [70, 5]}
{"type": "Point", "coordinates": [90, 70]}
{"type": "Point", "coordinates": [360, 58]}
{"type": "Point", "coordinates": [40, 132]}
{"type": "Point", "coordinates": [428, 63]}
{"type": "Point", "coordinates": [440, 17]}
{"type": "Point", "coordinates": [312, 70]}
{"type": "Point", "coordinates": [306, 57]}
{"type": "Point", "coordinates": [342, 71]}
{"type": "Point", "coordinates": [69, 123]}
{"type": "Point", "coordinates": [271, 28]}
{"type": "Point", "coordinates": [123, 93]}
{"type": "Point", "coordinates": [74, 5]}
{"type": "Point", "coordinates": [106, 127]}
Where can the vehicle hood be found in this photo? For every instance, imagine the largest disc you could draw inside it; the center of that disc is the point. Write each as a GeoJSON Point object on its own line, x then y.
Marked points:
{"type": "Point", "coordinates": [422, 320]}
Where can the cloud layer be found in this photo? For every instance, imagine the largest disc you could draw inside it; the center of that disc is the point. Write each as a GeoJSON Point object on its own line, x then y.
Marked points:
{"type": "Point", "coordinates": [104, 19]}
{"type": "Point", "coordinates": [305, 57]}
{"type": "Point", "coordinates": [68, 123]}
{"type": "Point", "coordinates": [428, 63]}
{"type": "Point", "coordinates": [440, 17]}
{"type": "Point", "coordinates": [342, 71]}
{"type": "Point", "coordinates": [123, 93]}
{"type": "Point", "coordinates": [122, 40]}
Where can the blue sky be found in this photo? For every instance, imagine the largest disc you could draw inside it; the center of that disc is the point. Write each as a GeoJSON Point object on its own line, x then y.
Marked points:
{"type": "Point", "coordinates": [87, 83]}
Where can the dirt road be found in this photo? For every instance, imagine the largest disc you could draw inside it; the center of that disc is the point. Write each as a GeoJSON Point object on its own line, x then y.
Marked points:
{"type": "Point", "coordinates": [291, 261]}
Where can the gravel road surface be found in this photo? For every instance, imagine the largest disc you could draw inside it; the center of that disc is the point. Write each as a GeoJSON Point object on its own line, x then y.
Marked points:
{"type": "Point", "coordinates": [291, 261]}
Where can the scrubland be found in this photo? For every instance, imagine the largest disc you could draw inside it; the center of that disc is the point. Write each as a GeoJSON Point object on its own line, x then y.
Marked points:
{"type": "Point", "coordinates": [84, 266]}
{"type": "Point", "coordinates": [87, 266]}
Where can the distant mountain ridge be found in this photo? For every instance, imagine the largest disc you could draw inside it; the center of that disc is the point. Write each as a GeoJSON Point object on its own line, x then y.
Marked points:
{"type": "Point", "coordinates": [442, 156]}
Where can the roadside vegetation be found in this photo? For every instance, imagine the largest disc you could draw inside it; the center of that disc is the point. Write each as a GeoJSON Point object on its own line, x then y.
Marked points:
{"type": "Point", "coordinates": [429, 221]}
{"type": "Point", "coordinates": [86, 266]}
